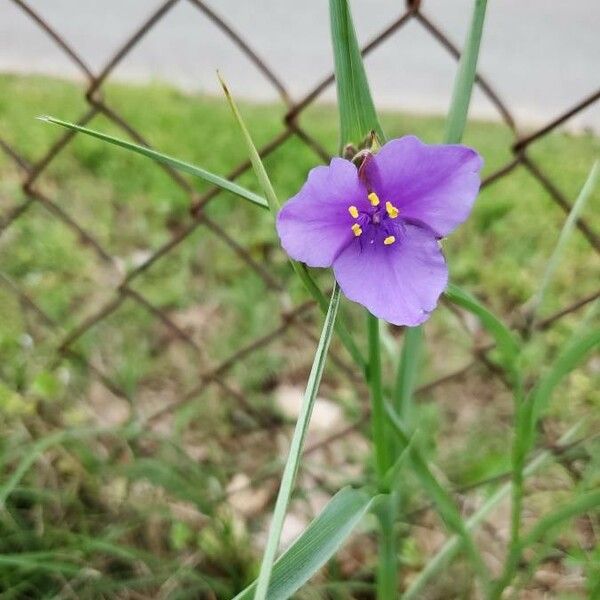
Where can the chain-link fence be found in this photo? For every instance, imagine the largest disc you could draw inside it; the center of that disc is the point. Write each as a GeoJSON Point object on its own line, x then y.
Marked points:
{"type": "Point", "coordinates": [292, 319]}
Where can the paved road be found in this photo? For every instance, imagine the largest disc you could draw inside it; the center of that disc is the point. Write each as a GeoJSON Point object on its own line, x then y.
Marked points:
{"type": "Point", "coordinates": [542, 55]}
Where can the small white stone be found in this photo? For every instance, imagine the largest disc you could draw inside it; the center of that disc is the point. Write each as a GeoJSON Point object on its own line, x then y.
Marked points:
{"type": "Point", "coordinates": [245, 499]}
{"type": "Point", "coordinates": [327, 415]}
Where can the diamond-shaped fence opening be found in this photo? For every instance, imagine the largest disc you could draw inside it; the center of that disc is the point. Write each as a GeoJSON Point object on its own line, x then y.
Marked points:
{"type": "Point", "coordinates": [150, 328]}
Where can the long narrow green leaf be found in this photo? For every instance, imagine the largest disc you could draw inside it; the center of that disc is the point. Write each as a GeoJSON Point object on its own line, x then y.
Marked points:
{"type": "Point", "coordinates": [180, 165]}
{"type": "Point", "coordinates": [357, 111]}
{"type": "Point", "coordinates": [441, 498]}
{"type": "Point", "coordinates": [507, 344]}
{"type": "Point", "coordinates": [40, 561]}
{"type": "Point", "coordinates": [293, 460]}
{"type": "Point", "coordinates": [567, 360]}
{"type": "Point", "coordinates": [451, 548]}
{"type": "Point", "coordinates": [465, 78]}
{"type": "Point", "coordinates": [317, 544]}
{"type": "Point", "coordinates": [575, 507]}
{"type": "Point", "coordinates": [273, 203]}
{"type": "Point", "coordinates": [257, 164]}
{"type": "Point", "coordinates": [568, 227]}
{"type": "Point", "coordinates": [406, 373]}
{"type": "Point", "coordinates": [40, 446]}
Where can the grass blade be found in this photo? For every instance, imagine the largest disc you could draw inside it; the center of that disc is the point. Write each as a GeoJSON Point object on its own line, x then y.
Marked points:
{"type": "Point", "coordinates": [451, 548]}
{"type": "Point", "coordinates": [465, 78]}
{"type": "Point", "coordinates": [257, 164]}
{"type": "Point", "coordinates": [574, 352]}
{"type": "Point", "coordinates": [316, 545]}
{"type": "Point", "coordinates": [580, 202]}
{"type": "Point", "coordinates": [406, 373]}
{"type": "Point", "coordinates": [441, 498]}
{"type": "Point", "coordinates": [507, 344]}
{"type": "Point", "coordinates": [574, 508]}
{"type": "Point", "coordinates": [40, 561]}
{"type": "Point", "coordinates": [293, 460]}
{"type": "Point", "coordinates": [43, 444]}
{"type": "Point", "coordinates": [273, 204]}
{"type": "Point", "coordinates": [164, 159]}
{"type": "Point", "coordinates": [357, 111]}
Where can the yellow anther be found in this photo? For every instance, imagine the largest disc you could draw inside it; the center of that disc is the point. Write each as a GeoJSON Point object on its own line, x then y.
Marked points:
{"type": "Point", "coordinates": [373, 199]}
{"type": "Point", "coordinates": [357, 229]}
{"type": "Point", "coordinates": [390, 239]}
{"type": "Point", "coordinates": [392, 211]}
{"type": "Point", "coordinates": [353, 212]}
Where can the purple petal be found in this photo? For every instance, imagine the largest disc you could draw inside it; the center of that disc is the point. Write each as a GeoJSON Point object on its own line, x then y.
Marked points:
{"type": "Point", "coordinates": [400, 283]}
{"type": "Point", "coordinates": [435, 185]}
{"type": "Point", "coordinates": [315, 224]}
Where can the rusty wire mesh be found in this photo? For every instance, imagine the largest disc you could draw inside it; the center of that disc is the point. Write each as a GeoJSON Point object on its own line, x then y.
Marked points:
{"type": "Point", "coordinates": [291, 318]}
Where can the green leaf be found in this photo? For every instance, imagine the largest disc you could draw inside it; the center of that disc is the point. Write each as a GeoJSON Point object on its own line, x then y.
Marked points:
{"type": "Point", "coordinates": [180, 165]}
{"type": "Point", "coordinates": [316, 545]}
{"type": "Point", "coordinates": [571, 356]}
{"type": "Point", "coordinates": [441, 498]}
{"type": "Point", "coordinates": [46, 384]}
{"type": "Point", "coordinates": [40, 446]}
{"type": "Point", "coordinates": [273, 203]}
{"type": "Point", "coordinates": [357, 111]}
{"type": "Point", "coordinates": [582, 198]}
{"type": "Point", "coordinates": [293, 460]}
{"type": "Point", "coordinates": [393, 473]}
{"type": "Point", "coordinates": [577, 506]}
{"type": "Point", "coordinates": [506, 342]}
{"type": "Point", "coordinates": [465, 78]}
{"type": "Point", "coordinates": [41, 561]}
{"type": "Point", "coordinates": [451, 548]}
{"type": "Point", "coordinates": [257, 164]}
{"type": "Point", "coordinates": [406, 373]}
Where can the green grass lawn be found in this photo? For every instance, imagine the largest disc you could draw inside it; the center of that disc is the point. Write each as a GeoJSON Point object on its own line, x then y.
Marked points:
{"type": "Point", "coordinates": [103, 513]}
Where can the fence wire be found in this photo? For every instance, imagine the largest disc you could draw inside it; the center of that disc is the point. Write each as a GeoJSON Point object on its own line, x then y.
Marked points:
{"type": "Point", "coordinates": [292, 318]}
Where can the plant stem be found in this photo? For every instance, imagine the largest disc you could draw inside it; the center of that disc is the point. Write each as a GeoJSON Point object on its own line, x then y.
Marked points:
{"type": "Point", "coordinates": [387, 570]}
{"type": "Point", "coordinates": [378, 416]}
{"type": "Point", "coordinates": [387, 582]}
{"type": "Point", "coordinates": [519, 452]}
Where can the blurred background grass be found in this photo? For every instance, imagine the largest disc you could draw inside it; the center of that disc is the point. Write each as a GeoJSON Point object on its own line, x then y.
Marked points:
{"type": "Point", "coordinates": [111, 511]}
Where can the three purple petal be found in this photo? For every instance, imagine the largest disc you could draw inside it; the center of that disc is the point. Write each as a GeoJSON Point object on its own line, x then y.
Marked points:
{"type": "Point", "coordinates": [379, 227]}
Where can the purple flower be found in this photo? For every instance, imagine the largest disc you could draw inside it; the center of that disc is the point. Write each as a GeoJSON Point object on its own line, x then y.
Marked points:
{"type": "Point", "coordinates": [378, 226]}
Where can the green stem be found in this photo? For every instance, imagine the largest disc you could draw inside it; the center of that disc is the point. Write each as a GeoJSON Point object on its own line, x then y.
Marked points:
{"type": "Point", "coordinates": [387, 582]}
{"type": "Point", "coordinates": [387, 570]}
{"type": "Point", "coordinates": [522, 411]}
{"type": "Point", "coordinates": [519, 453]}
{"type": "Point", "coordinates": [378, 416]}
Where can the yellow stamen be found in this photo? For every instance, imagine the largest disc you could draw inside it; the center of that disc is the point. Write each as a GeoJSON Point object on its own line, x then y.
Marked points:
{"type": "Point", "coordinates": [357, 229]}
{"type": "Point", "coordinates": [353, 211]}
{"type": "Point", "coordinates": [390, 239]}
{"type": "Point", "coordinates": [373, 199]}
{"type": "Point", "coordinates": [392, 211]}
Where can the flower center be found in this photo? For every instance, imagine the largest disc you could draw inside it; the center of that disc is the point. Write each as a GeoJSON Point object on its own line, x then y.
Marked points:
{"type": "Point", "coordinates": [375, 220]}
